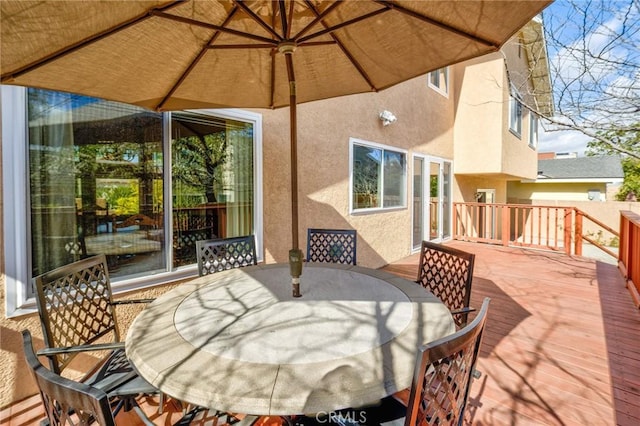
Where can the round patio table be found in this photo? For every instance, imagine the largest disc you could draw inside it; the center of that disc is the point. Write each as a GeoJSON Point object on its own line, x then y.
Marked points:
{"type": "Point", "coordinates": [239, 342]}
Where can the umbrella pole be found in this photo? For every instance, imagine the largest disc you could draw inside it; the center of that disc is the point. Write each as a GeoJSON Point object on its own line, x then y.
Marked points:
{"type": "Point", "coordinates": [295, 254]}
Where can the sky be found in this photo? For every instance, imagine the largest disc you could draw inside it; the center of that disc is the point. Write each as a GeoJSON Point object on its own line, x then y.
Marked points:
{"type": "Point", "coordinates": [562, 141]}
{"type": "Point", "coordinates": [567, 140]}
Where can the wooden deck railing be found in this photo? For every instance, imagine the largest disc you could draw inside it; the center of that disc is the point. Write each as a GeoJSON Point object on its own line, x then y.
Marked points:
{"type": "Point", "coordinates": [629, 252]}
{"type": "Point", "coordinates": [552, 228]}
{"type": "Point", "coordinates": [544, 227]}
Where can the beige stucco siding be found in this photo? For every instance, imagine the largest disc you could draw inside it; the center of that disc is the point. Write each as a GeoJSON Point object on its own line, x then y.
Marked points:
{"type": "Point", "coordinates": [479, 116]}
{"type": "Point", "coordinates": [518, 158]}
{"type": "Point", "coordinates": [555, 191]}
{"type": "Point", "coordinates": [483, 142]}
{"type": "Point", "coordinates": [324, 132]}
{"type": "Point", "coordinates": [468, 185]}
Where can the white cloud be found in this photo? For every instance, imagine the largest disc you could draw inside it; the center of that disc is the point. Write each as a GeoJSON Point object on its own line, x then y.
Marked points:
{"type": "Point", "coordinates": [563, 141]}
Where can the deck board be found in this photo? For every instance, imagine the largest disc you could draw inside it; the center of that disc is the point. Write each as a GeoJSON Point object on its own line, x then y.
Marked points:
{"type": "Point", "coordinates": [562, 343]}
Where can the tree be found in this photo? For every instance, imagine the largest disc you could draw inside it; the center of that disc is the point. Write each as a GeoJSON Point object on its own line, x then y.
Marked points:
{"type": "Point", "coordinates": [594, 60]}
{"type": "Point", "coordinates": [198, 161]}
{"type": "Point", "coordinates": [630, 142]}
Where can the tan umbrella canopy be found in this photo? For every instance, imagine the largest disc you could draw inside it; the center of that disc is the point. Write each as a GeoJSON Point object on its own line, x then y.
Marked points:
{"type": "Point", "coordinates": [172, 55]}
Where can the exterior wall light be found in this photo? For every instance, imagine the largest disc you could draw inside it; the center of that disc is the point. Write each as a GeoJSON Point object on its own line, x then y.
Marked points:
{"type": "Point", "coordinates": [387, 117]}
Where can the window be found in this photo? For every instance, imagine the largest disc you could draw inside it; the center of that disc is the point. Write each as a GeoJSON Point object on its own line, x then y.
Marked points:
{"type": "Point", "coordinates": [515, 113]}
{"type": "Point", "coordinates": [533, 130]}
{"type": "Point", "coordinates": [439, 81]}
{"type": "Point", "coordinates": [378, 176]}
{"type": "Point", "coordinates": [138, 186]}
{"type": "Point", "coordinates": [594, 195]}
{"type": "Point", "coordinates": [91, 165]}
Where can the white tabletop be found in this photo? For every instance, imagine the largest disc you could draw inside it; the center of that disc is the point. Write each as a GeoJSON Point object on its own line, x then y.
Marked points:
{"type": "Point", "coordinates": [238, 341]}
{"type": "Point", "coordinates": [121, 243]}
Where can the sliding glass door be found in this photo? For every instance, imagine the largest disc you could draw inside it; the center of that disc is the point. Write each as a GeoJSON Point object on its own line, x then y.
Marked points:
{"type": "Point", "coordinates": [98, 177]}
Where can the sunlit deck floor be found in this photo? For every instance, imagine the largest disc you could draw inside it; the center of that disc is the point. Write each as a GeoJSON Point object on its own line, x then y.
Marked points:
{"type": "Point", "coordinates": [562, 344]}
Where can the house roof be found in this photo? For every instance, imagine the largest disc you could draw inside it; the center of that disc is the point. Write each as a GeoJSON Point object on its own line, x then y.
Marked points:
{"type": "Point", "coordinates": [581, 168]}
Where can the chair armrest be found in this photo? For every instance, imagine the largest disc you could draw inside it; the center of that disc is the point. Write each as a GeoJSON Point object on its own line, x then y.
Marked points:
{"type": "Point", "coordinates": [131, 301]}
{"type": "Point", "coordinates": [463, 311]}
{"type": "Point", "coordinates": [81, 348]}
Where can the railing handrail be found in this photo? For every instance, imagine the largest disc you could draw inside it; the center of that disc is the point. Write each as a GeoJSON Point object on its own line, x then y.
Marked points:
{"type": "Point", "coordinates": [629, 255]}
{"type": "Point", "coordinates": [597, 222]}
{"type": "Point", "coordinates": [513, 205]}
{"type": "Point", "coordinates": [632, 217]}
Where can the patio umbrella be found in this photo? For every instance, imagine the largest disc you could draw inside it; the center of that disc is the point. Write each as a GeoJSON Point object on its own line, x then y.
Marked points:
{"type": "Point", "coordinates": [188, 54]}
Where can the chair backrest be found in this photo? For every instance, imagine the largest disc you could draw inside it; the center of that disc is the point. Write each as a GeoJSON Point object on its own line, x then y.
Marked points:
{"type": "Point", "coordinates": [189, 228]}
{"type": "Point", "coordinates": [76, 248]}
{"type": "Point", "coordinates": [75, 306]}
{"type": "Point", "coordinates": [332, 246]}
{"type": "Point", "coordinates": [443, 374]}
{"type": "Point", "coordinates": [447, 273]}
{"type": "Point", "coordinates": [220, 254]}
{"type": "Point", "coordinates": [66, 402]}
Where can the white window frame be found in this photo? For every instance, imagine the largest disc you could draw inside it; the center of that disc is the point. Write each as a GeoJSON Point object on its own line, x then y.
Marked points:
{"type": "Point", "coordinates": [374, 145]}
{"type": "Point", "coordinates": [439, 75]}
{"type": "Point", "coordinates": [515, 107]}
{"type": "Point", "coordinates": [533, 129]}
{"type": "Point", "coordinates": [17, 240]}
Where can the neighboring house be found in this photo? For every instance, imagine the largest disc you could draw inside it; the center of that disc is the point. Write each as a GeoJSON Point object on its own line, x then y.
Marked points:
{"type": "Point", "coordinates": [571, 178]}
{"type": "Point", "coordinates": [77, 168]}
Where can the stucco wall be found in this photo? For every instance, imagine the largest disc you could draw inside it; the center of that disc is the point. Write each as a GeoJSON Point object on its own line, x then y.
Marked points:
{"type": "Point", "coordinates": [482, 118]}
{"type": "Point", "coordinates": [554, 191]}
{"type": "Point", "coordinates": [468, 185]}
{"type": "Point", "coordinates": [479, 96]}
{"type": "Point", "coordinates": [423, 125]}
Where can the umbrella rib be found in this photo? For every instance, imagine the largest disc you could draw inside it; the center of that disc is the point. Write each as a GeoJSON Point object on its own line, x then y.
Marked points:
{"type": "Point", "coordinates": [346, 52]}
{"type": "Point", "coordinates": [273, 78]}
{"type": "Point", "coordinates": [319, 18]}
{"type": "Point", "coordinates": [432, 21]}
{"type": "Point", "coordinates": [342, 24]}
{"type": "Point", "coordinates": [283, 18]}
{"type": "Point", "coordinates": [195, 62]}
{"type": "Point", "coordinates": [213, 27]}
{"type": "Point", "coordinates": [257, 19]}
{"type": "Point", "coordinates": [81, 44]}
{"type": "Point", "coordinates": [239, 46]}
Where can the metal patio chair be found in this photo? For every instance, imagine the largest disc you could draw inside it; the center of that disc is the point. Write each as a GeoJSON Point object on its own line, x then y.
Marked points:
{"type": "Point", "coordinates": [447, 273]}
{"type": "Point", "coordinates": [220, 254]}
{"type": "Point", "coordinates": [442, 378]}
{"type": "Point", "coordinates": [331, 245]}
{"type": "Point", "coordinates": [76, 310]}
{"type": "Point", "coordinates": [71, 403]}
{"type": "Point", "coordinates": [443, 374]}
{"type": "Point", "coordinates": [66, 402]}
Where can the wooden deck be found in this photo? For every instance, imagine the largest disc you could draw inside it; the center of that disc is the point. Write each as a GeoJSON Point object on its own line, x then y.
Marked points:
{"type": "Point", "coordinates": [562, 344]}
